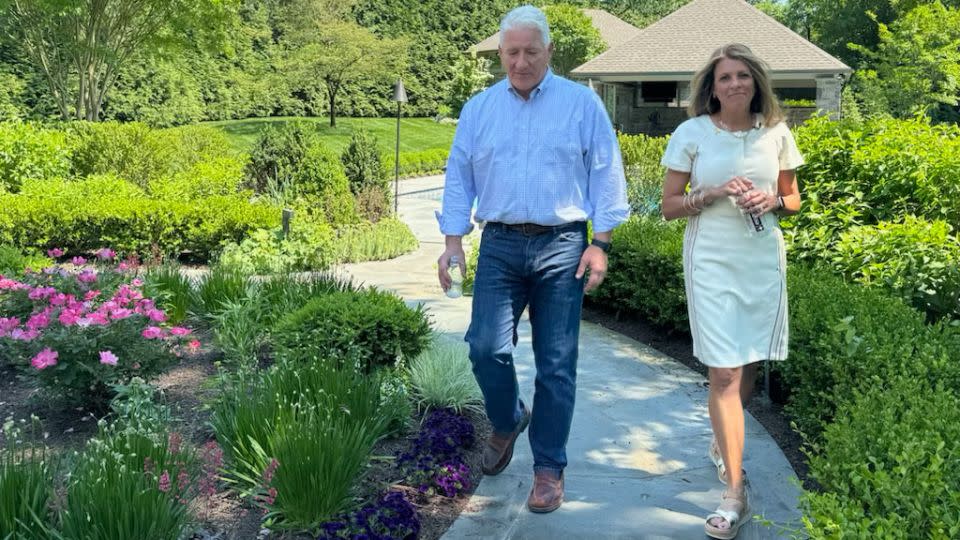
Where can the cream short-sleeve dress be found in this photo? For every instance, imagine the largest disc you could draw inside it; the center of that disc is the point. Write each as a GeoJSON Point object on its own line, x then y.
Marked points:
{"type": "Point", "coordinates": [735, 280]}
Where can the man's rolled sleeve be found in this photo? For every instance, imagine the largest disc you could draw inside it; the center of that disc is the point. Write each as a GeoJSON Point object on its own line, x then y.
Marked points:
{"type": "Point", "coordinates": [459, 189]}
{"type": "Point", "coordinates": [607, 185]}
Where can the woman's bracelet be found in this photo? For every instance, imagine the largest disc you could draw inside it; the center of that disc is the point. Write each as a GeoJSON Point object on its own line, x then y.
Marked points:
{"type": "Point", "coordinates": [693, 202]}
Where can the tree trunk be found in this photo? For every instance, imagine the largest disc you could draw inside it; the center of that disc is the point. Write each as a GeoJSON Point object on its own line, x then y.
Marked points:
{"type": "Point", "coordinates": [332, 92]}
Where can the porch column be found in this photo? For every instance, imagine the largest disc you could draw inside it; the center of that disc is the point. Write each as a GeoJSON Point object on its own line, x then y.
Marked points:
{"type": "Point", "coordinates": [828, 95]}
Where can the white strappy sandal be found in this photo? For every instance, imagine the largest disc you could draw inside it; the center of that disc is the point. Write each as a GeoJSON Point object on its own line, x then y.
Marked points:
{"type": "Point", "coordinates": [714, 454]}
{"type": "Point", "coordinates": [734, 511]}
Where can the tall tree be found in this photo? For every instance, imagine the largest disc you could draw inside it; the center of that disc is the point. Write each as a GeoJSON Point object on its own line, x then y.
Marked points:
{"type": "Point", "coordinates": [916, 66]}
{"type": "Point", "coordinates": [575, 40]}
{"type": "Point", "coordinates": [80, 45]}
{"type": "Point", "coordinates": [341, 52]}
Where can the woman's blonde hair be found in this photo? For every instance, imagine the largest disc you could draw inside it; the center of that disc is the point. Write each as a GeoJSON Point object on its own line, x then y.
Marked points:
{"type": "Point", "coordinates": [703, 100]}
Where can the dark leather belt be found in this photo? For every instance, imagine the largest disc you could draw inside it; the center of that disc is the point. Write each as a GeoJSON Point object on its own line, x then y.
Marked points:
{"type": "Point", "coordinates": [533, 229]}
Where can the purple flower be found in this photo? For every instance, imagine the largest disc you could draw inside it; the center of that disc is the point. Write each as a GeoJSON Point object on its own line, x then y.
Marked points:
{"type": "Point", "coordinates": [106, 254]}
{"type": "Point", "coordinates": [55, 253]}
{"type": "Point", "coordinates": [108, 358]}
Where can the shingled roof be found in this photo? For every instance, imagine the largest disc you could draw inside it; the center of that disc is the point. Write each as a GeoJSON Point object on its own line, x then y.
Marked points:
{"type": "Point", "coordinates": [613, 30]}
{"type": "Point", "coordinates": [681, 43]}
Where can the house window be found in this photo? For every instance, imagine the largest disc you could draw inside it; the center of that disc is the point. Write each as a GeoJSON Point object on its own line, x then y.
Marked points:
{"type": "Point", "coordinates": [657, 92]}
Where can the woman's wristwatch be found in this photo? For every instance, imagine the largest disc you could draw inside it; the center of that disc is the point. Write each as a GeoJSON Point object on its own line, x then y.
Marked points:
{"type": "Point", "coordinates": [780, 205]}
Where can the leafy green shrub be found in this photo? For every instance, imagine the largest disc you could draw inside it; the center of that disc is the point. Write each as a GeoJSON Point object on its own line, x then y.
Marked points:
{"type": "Point", "coordinates": [862, 173]}
{"type": "Point", "coordinates": [140, 154]}
{"type": "Point", "coordinates": [218, 176]}
{"type": "Point", "coordinates": [371, 326]}
{"type": "Point", "coordinates": [385, 239]}
{"type": "Point", "coordinates": [28, 152]}
{"type": "Point", "coordinates": [277, 155]}
{"type": "Point", "coordinates": [79, 216]}
{"type": "Point", "coordinates": [362, 162]}
{"type": "Point", "coordinates": [442, 377]}
{"type": "Point", "coordinates": [13, 262]}
{"type": "Point", "coordinates": [641, 162]}
{"type": "Point", "coordinates": [311, 246]}
{"type": "Point", "coordinates": [844, 336]}
{"type": "Point", "coordinates": [916, 260]}
{"type": "Point", "coordinates": [420, 163]}
{"type": "Point", "coordinates": [887, 465]}
{"type": "Point", "coordinates": [322, 188]}
{"type": "Point", "coordinates": [646, 272]}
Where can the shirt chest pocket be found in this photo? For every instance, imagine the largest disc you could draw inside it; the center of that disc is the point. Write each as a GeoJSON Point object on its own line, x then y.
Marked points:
{"type": "Point", "coordinates": [560, 148]}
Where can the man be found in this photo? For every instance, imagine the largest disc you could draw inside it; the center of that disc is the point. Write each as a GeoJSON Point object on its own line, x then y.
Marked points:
{"type": "Point", "coordinates": [538, 154]}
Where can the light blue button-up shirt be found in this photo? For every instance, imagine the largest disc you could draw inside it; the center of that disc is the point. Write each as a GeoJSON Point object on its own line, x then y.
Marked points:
{"type": "Point", "coordinates": [550, 160]}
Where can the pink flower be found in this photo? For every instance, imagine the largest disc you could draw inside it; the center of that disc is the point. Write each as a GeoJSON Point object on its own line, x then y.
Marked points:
{"type": "Point", "coordinates": [6, 325]}
{"type": "Point", "coordinates": [38, 321]}
{"type": "Point", "coordinates": [79, 261]}
{"type": "Point", "coordinates": [21, 335]}
{"type": "Point", "coordinates": [98, 319]}
{"type": "Point", "coordinates": [164, 485]}
{"type": "Point", "coordinates": [179, 331]}
{"type": "Point", "coordinates": [173, 442]}
{"type": "Point", "coordinates": [268, 472]}
{"type": "Point", "coordinates": [152, 332]}
{"type": "Point", "coordinates": [44, 359]}
{"type": "Point", "coordinates": [41, 292]}
{"type": "Point", "coordinates": [68, 317]}
{"type": "Point", "coordinates": [156, 315]}
{"type": "Point", "coordinates": [120, 313]}
{"type": "Point", "coordinates": [194, 345]}
{"type": "Point", "coordinates": [91, 295]}
{"type": "Point", "coordinates": [87, 276]}
{"type": "Point", "coordinates": [106, 254]}
{"type": "Point", "coordinates": [58, 299]}
{"type": "Point", "coordinates": [136, 282]}
{"type": "Point", "coordinates": [108, 358]}
{"type": "Point", "coordinates": [123, 266]}
{"type": "Point", "coordinates": [55, 253]}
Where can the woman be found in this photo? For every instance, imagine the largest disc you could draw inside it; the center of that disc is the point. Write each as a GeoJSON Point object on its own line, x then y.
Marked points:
{"type": "Point", "coordinates": [739, 160]}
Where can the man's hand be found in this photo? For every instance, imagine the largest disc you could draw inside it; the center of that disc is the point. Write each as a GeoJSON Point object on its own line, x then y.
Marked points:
{"type": "Point", "coordinates": [454, 249]}
{"type": "Point", "coordinates": [596, 260]}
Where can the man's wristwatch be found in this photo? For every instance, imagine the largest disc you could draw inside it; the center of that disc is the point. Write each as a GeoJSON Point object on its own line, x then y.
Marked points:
{"type": "Point", "coordinates": [605, 246]}
{"type": "Point", "coordinates": [780, 204]}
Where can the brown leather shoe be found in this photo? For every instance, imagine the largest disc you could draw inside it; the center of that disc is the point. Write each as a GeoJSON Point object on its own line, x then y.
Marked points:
{"type": "Point", "coordinates": [547, 493]}
{"type": "Point", "coordinates": [499, 449]}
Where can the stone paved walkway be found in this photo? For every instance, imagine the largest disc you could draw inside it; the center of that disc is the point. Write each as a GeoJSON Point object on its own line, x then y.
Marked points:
{"type": "Point", "coordinates": [637, 452]}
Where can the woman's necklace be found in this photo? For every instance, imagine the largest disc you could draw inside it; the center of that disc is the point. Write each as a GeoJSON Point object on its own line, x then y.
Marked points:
{"type": "Point", "coordinates": [735, 132]}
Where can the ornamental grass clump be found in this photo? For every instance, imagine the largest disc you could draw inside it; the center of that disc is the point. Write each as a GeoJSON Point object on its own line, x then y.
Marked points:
{"type": "Point", "coordinates": [442, 377]}
{"type": "Point", "coordinates": [127, 484]}
{"type": "Point", "coordinates": [312, 427]}
{"type": "Point", "coordinates": [434, 464]}
{"type": "Point", "coordinates": [81, 333]}
{"type": "Point", "coordinates": [26, 485]}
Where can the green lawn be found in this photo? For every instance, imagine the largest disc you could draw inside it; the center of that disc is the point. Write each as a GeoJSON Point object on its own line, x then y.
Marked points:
{"type": "Point", "coordinates": [415, 133]}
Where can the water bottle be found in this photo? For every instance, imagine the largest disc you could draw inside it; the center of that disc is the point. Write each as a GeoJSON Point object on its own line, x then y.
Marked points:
{"type": "Point", "coordinates": [753, 225]}
{"type": "Point", "coordinates": [456, 278]}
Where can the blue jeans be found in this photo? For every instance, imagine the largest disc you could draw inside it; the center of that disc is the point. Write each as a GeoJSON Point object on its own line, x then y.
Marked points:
{"type": "Point", "coordinates": [516, 270]}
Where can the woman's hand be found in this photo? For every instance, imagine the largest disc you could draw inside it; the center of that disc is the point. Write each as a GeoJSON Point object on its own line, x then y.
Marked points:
{"type": "Point", "coordinates": [758, 202]}
{"type": "Point", "coordinates": [735, 187]}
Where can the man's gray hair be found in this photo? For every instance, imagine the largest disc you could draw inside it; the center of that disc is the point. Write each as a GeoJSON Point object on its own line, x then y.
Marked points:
{"type": "Point", "coordinates": [526, 17]}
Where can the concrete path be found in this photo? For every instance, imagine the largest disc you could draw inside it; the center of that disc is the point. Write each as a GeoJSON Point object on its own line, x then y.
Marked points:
{"type": "Point", "coordinates": [637, 452]}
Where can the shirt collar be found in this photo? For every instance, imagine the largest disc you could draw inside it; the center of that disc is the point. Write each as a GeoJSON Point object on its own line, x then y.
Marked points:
{"type": "Point", "coordinates": [538, 89]}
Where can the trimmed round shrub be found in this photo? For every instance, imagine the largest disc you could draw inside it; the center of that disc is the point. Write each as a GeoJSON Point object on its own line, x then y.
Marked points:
{"type": "Point", "coordinates": [370, 327]}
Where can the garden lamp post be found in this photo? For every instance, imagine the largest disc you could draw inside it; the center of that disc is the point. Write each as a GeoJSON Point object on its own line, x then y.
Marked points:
{"type": "Point", "coordinates": [400, 96]}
